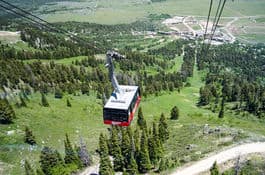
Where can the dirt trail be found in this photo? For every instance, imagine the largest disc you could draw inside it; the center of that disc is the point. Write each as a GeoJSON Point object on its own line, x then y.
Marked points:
{"type": "Point", "coordinates": [90, 170]}
{"type": "Point", "coordinates": [229, 154]}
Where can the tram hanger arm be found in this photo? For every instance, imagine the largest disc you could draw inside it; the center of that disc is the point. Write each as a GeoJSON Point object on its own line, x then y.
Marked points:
{"type": "Point", "coordinates": [109, 59]}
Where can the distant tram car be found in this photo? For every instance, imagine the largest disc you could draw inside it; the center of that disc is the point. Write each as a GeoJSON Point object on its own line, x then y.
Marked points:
{"type": "Point", "coordinates": [123, 102]}
{"type": "Point", "coordinates": [120, 110]}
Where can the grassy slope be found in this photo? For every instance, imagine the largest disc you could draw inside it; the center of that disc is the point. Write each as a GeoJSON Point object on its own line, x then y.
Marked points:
{"type": "Point", "coordinates": [84, 118]}
{"type": "Point", "coordinates": [117, 11]}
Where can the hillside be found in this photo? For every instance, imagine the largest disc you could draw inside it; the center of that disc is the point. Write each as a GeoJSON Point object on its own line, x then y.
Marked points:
{"type": "Point", "coordinates": [195, 98]}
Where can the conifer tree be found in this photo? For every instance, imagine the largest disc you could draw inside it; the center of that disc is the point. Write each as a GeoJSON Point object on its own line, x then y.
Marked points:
{"type": "Point", "coordinates": [158, 144]}
{"type": "Point", "coordinates": [44, 101]}
{"type": "Point", "coordinates": [22, 102]}
{"type": "Point", "coordinates": [152, 150]}
{"type": "Point", "coordinates": [137, 147]}
{"type": "Point", "coordinates": [68, 103]}
{"type": "Point", "coordinates": [132, 141]}
{"type": "Point", "coordinates": [174, 113]}
{"type": "Point", "coordinates": [132, 165]}
{"type": "Point", "coordinates": [103, 147]}
{"type": "Point", "coordinates": [28, 169]}
{"type": "Point", "coordinates": [49, 159]}
{"type": "Point", "coordinates": [144, 164]}
{"type": "Point", "coordinates": [29, 137]}
{"type": "Point", "coordinates": [130, 134]}
{"type": "Point", "coordinates": [105, 167]}
{"type": "Point", "coordinates": [7, 114]}
{"type": "Point", "coordinates": [39, 172]}
{"type": "Point", "coordinates": [126, 146]}
{"type": "Point", "coordinates": [58, 93]}
{"type": "Point", "coordinates": [163, 129]}
{"type": "Point", "coordinates": [136, 136]}
{"type": "Point", "coordinates": [214, 169]}
{"type": "Point", "coordinates": [221, 112]}
{"type": "Point", "coordinates": [70, 154]}
{"type": "Point", "coordinates": [116, 150]}
{"type": "Point", "coordinates": [59, 157]}
{"type": "Point", "coordinates": [154, 146]}
{"type": "Point", "coordinates": [140, 120]}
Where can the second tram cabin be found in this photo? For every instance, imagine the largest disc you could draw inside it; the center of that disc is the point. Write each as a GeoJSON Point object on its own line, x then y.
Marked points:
{"type": "Point", "coordinates": [120, 108]}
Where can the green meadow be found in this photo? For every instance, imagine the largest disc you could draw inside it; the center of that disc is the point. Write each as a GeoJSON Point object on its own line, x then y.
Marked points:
{"type": "Point", "coordinates": [84, 119]}
{"type": "Point", "coordinates": [116, 11]}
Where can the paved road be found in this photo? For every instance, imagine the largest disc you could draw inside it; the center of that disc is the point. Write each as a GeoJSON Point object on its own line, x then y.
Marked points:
{"type": "Point", "coordinates": [229, 154]}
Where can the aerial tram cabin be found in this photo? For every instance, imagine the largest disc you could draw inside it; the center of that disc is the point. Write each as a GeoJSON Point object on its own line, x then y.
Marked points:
{"type": "Point", "coordinates": [120, 110]}
{"type": "Point", "coordinates": [123, 102]}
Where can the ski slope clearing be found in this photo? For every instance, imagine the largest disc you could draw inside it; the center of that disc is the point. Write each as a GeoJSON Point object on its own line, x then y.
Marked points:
{"type": "Point", "coordinates": [229, 154]}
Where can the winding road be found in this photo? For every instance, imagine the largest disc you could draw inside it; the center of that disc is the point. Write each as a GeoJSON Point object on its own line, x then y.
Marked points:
{"type": "Point", "coordinates": [205, 164]}
{"type": "Point", "coordinates": [90, 170]}
{"type": "Point", "coordinates": [221, 157]}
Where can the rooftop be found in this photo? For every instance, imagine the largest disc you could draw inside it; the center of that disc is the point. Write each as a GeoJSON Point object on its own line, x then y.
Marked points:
{"type": "Point", "coordinates": [123, 100]}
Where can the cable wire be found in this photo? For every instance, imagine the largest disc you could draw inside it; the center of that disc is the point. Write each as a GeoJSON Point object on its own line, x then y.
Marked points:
{"type": "Point", "coordinates": [46, 23]}
{"type": "Point", "coordinates": [218, 19]}
{"type": "Point", "coordinates": [19, 14]}
{"type": "Point", "coordinates": [216, 14]}
{"type": "Point", "coordinates": [214, 26]}
{"type": "Point", "coordinates": [208, 18]}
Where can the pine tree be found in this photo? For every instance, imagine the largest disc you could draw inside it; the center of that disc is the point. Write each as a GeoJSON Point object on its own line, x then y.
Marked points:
{"type": "Point", "coordinates": [22, 102]}
{"type": "Point", "coordinates": [68, 103]}
{"type": "Point", "coordinates": [152, 150]}
{"type": "Point", "coordinates": [137, 147]}
{"type": "Point", "coordinates": [44, 101]}
{"type": "Point", "coordinates": [103, 147]}
{"type": "Point", "coordinates": [140, 120]}
{"type": "Point", "coordinates": [7, 114]}
{"type": "Point", "coordinates": [132, 166]}
{"type": "Point", "coordinates": [144, 164]}
{"type": "Point", "coordinates": [70, 155]}
{"type": "Point", "coordinates": [174, 113]}
{"type": "Point", "coordinates": [221, 113]}
{"type": "Point", "coordinates": [136, 139]}
{"type": "Point", "coordinates": [116, 150]}
{"type": "Point", "coordinates": [154, 146]}
{"type": "Point", "coordinates": [58, 93]}
{"type": "Point", "coordinates": [126, 146]}
{"type": "Point", "coordinates": [59, 157]}
{"type": "Point", "coordinates": [105, 167]}
{"type": "Point", "coordinates": [205, 96]}
{"type": "Point", "coordinates": [214, 169]}
{"type": "Point", "coordinates": [49, 159]}
{"type": "Point", "coordinates": [28, 169]}
{"type": "Point", "coordinates": [158, 144]}
{"type": "Point", "coordinates": [29, 137]}
{"type": "Point", "coordinates": [163, 129]}
{"type": "Point", "coordinates": [39, 172]}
